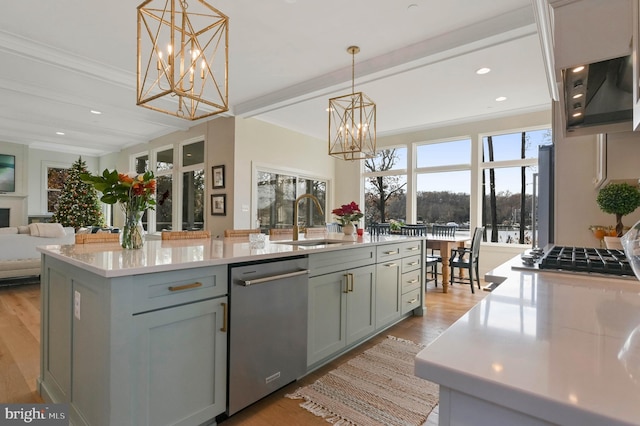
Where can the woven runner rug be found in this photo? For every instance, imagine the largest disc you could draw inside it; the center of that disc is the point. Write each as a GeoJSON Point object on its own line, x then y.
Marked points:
{"type": "Point", "coordinates": [377, 387]}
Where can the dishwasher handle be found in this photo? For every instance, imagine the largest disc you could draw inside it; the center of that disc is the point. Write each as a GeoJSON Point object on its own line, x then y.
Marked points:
{"type": "Point", "coordinates": [273, 278]}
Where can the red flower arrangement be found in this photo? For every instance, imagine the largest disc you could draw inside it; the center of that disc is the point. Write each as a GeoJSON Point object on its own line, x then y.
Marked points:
{"type": "Point", "coordinates": [348, 213]}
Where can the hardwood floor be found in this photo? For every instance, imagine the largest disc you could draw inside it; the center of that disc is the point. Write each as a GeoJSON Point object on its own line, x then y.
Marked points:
{"type": "Point", "coordinates": [20, 351]}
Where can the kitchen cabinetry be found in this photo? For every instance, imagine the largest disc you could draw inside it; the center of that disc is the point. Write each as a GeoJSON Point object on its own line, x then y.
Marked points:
{"type": "Point", "coordinates": [398, 280]}
{"type": "Point", "coordinates": [341, 311]}
{"type": "Point", "coordinates": [354, 294]}
{"type": "Point", "coordinates": [144, 349]}
{"type": "Point", "coordinates": [180, 364]}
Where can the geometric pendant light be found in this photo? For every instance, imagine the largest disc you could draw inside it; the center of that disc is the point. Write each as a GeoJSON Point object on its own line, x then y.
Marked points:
{"type": "Point", "coordinates": [352, 122]}
{"type": "Point", "coordinates": [182, 58]}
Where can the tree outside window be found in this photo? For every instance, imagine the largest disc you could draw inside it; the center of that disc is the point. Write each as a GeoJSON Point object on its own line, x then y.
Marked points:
{"type": "Point", "coordinates": [385, 186]}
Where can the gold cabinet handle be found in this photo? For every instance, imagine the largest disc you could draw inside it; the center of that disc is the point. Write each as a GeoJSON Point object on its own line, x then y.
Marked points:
{"type": "Point", "coordinates": [224, 318]}
{"type": "Point", "coordinates": [346, 283]}
{"type": "Point", "coordinates": [413, 248]}
{"type": "Point", "coordinates": [391, 252]}
{"type": "Point", "coordinates": [351, 283]}
{"type": "Point", "coordinates": [412, 281]}
{"type": "Point", "coordinates": [413, 263]}
{"type": "Point", "coordinates": [391, 265]}
{"type": "Point", "coordinates": [414, 300]}
{"type": "Point", "coordinates": [185, 286]}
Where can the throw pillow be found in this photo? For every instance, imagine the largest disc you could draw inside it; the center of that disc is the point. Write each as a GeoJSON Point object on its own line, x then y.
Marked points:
{"type": "Point", "coordinates": [23, 229]}
{"type": "Point", "coordinates": [47, 230]}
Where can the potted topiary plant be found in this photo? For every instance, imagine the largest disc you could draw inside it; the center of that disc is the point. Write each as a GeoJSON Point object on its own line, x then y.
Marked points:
{"type": "Point", "coordinates": [619, 198]}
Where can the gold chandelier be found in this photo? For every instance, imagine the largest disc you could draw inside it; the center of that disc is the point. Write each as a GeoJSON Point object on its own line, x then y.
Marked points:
{"type": "Point", "coordinates": [352, 122]}
{"type": "Point", "coordinates": [183, 58]}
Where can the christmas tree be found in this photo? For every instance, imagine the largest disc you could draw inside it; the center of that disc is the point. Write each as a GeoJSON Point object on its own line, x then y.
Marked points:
{"type": "Point", "coordinates": [78, 204]}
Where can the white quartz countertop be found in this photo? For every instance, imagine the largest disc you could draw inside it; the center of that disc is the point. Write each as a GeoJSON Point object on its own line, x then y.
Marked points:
{"type": "Point", "coordinates": [111, 260]}
{"type": "Point", "coordinates": [559, 347]}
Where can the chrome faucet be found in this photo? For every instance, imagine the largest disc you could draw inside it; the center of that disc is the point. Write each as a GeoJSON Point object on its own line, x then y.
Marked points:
{"type": "Point", "coordinates": [295, 212]}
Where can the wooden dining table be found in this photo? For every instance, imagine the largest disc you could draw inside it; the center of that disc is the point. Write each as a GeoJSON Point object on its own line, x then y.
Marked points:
{"type": "Point", "coordinates": [444, 245]}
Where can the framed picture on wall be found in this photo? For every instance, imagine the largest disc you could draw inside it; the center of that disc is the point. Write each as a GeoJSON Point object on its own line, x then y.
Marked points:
{"type": "Point", "coordinates": [218, 177]}
{"type": "Point", "coordinates": [219, 205]}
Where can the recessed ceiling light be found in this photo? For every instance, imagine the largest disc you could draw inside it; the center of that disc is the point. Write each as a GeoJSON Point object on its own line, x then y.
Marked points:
{"type": "Point", "coordinates": [578, 69]}
{"type": "Point", "coordinates": [93, 111]}
{"type": "Point", "coordinates": [577, 114]}
{"type": "Point", "coordinates": [501, 98]}
{"type": "Point", "coordinates": [577, 96]}
{"type": "Point", "coordinates": [412, 6]}
{"type": "Point", "coordinates": [483, 70]}
{"type": "Point", "coordinates": [60, 133]}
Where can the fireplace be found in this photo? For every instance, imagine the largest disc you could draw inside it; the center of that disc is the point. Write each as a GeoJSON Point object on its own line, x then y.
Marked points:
{"type": "Point", "coordinates": [4, 218]}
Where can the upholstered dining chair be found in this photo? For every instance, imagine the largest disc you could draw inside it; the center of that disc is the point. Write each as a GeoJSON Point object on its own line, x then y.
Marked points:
{"type": "Point", "coordinates": [467, 258]}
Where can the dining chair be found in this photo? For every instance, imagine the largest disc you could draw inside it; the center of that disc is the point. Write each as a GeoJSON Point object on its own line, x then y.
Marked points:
{"type": "Point", "coordinates": [441, 231]}
{"type": "Point", "coordinates": [376, 229]}
{"type": "Point", "coordinates": [281, 232]}
{"type": "Point", "coordinates": [413, 230]}
{"type": "Point", "coordinates": [316, 232]}
{"type": "Point", "coordinates": [240, 232]}
{"type": "Point", "coordinates": [184, 235]}
{"type": "Point", "coordinates": [334, 227]}
{"type": "Point", "coordinates": [467, 258]}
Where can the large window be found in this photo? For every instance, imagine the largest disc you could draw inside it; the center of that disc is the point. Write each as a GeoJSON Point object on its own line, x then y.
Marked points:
{"type": "Point", "coordinates": [508, 164]}
{"type": "Point", "coordinates": [276, 193]}
{"type": "Point", "coordinates": [443, 183]}
{"type": "Point", "coordinates": [385, 186]}
{"type": "Point", "coordinates": [193, 186]}
{"type": "Point", "coordinates": [164, 190]}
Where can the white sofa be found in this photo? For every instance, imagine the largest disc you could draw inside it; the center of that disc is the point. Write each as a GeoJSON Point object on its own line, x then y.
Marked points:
{"type": "Point", "coordinates": [18, 254]}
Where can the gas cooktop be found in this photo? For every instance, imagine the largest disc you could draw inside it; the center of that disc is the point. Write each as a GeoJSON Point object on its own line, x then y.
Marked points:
{"type": "Point", "coordinates": [590, 260]}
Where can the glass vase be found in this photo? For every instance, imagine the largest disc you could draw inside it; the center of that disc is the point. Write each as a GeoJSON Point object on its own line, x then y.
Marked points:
{"type": "Point", "coordinates": [132, 229]}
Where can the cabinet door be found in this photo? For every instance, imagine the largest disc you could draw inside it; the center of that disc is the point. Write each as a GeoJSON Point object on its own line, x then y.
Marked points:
{"type": "Point", "coordinates": [361, 303]}
{"type": "Point", "coordinates": [387, 292]}
{"type": "Point", "coordinates": [327, 312]}
{"type": "Point", "coordinates": [180, 364]}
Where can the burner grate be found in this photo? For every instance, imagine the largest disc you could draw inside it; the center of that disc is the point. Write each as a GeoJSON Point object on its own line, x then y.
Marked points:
{"type": "Point", "coordinates": [580, 259]}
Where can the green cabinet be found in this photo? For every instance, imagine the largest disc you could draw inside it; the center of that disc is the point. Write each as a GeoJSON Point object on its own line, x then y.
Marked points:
{"type": "Point", "coordinates": [148, 349]}
{"type": "Point", "coordinates": [341, 311]}
{"type": "Point", "coordinates": [180, 364]}
{"type": "Point", "coordinates": [387, 292]}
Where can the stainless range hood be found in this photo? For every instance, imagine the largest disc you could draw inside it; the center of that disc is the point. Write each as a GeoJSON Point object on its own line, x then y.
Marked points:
{"type": "Point", "coordinates": [597, 97]}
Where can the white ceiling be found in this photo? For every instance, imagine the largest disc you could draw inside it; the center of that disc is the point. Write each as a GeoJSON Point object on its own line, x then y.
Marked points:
{"type": "Point", "coordinates": [60, 59]}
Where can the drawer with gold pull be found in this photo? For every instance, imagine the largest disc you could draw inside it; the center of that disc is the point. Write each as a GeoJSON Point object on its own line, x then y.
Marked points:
{"type": "Point", "coordinates": [160, 290]}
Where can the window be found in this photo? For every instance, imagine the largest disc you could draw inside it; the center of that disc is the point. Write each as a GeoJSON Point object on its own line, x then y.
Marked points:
{"type": "Point", "coordinates": [55, 182]}
{"type": "Point", "coordinates": [276, 193]}
{"type": "Point", "coordinates": [443, 183]}
{"type": "Point", "coordinates": [193, 186]}
{"type": "Point", "coordinates": [385, 185]}
{"type": "Point", "coordinates": [164, 190]}
{"type": "Point", "coordinates": [508, 164]}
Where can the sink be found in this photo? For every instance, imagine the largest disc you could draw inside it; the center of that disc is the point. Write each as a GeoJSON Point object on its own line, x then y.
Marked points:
{"type": "Point", "coordinates": [318, 242]}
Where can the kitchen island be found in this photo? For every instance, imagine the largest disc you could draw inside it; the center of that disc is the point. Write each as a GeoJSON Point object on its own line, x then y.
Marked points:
{"type": "Point", "coordinates": [543, 348]}
{"type": "Point", "coordinates": [140, 337]}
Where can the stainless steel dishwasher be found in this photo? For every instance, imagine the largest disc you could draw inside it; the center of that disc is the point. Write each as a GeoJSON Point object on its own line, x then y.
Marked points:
{"type": "Point", "coordinates": [267, 328]}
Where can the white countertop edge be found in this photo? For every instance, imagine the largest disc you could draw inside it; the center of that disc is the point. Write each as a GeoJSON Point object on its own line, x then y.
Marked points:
{"type": "Point", "coordinates": [513, 398]}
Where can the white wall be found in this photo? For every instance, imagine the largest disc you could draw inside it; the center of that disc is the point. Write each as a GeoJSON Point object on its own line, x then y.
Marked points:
{"type": "Point", "coordinates": [575, 196]}
{"type": "Point", "coordinates": [266, 144]}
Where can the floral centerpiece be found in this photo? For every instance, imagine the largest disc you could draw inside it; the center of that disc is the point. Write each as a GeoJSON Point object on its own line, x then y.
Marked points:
{"type": "Point", "coordinates": [347, 215]}
{"type": "Point", "coordinates": [135, 194]}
